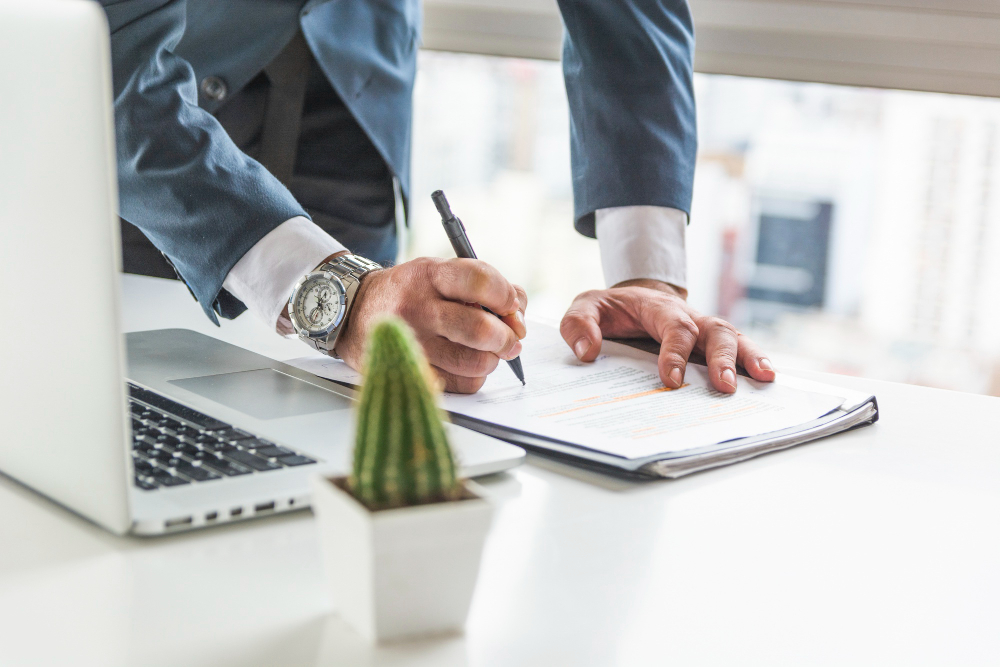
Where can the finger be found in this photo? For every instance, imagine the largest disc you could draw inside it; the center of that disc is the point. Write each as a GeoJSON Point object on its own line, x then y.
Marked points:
{"type": "Point", "coordinates": [581, 327]}
{"type": "Point", "coordinates": [458, 384]}
{"type": "Point", "coordinates": [522, 298]}
{"type": "Point", "coordinates": [473, 281]}
{"type": "Point", "coordinates": [516, 319]}
{"type": "Point", "coordinates": [718, 339]}
{"type": "Point", "coordinates": [671, 324]}
{"type": "Point", "coordinates": [473, 327]}
{"type": "Point", "coordinates": [749, 356]}
{"type": "Point", "coordinates": [458, 359]}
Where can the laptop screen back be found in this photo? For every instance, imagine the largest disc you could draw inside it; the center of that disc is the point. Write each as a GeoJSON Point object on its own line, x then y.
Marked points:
{"type": "Point", "coordinates": [61, 388]}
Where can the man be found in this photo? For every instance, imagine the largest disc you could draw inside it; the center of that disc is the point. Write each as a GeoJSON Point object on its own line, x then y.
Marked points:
{"type": "Point", "coordinates": [258, 140]}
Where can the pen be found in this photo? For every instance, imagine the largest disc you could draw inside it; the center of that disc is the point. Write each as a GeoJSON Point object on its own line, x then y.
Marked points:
{"type": "Point", "coordinates": [460, 242]}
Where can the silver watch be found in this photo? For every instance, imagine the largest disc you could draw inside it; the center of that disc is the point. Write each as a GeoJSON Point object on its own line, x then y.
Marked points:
{"type": "Point", "coordinates": [321, 299]}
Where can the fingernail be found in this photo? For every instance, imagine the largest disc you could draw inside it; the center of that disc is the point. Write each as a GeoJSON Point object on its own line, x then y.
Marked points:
{"type": "Point", "coordinates": [581, 346]}
{"type": "Point", "coordinates": [765, 364]}
{"type": "Point", "coordinates": [729, 377]}
{"type": "Point", "coordinates": [512, 352]}
{"type": "Point", "coordinates": [676, 377]}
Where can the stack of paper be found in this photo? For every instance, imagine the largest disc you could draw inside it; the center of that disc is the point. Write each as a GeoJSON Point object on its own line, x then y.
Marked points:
{"type": "Point", "coordinates": [616, 412]}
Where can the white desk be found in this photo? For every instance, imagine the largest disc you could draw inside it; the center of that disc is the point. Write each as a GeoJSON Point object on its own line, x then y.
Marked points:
{"type": "Point", "coordinates": [880, 546]}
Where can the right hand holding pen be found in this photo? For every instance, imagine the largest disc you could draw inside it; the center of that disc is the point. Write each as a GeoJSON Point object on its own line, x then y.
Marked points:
{"type": "Point", "coordinates": [439, 299]}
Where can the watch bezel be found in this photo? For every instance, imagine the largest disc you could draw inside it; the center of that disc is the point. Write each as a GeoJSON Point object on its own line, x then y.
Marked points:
{"type": "Point", "coordinates": [293, 315]}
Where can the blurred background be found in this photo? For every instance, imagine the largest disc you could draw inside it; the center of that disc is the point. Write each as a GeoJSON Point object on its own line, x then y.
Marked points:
{"type": "Point", "coordinates": [846, 229]}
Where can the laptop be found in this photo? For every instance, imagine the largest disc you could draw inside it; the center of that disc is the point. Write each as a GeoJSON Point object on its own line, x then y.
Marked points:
{"type": "Point", "coordinates": [196, 432]}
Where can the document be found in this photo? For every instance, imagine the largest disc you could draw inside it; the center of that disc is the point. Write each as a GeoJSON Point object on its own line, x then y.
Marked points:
{"type": "Point", "coordinates": [617, 403]}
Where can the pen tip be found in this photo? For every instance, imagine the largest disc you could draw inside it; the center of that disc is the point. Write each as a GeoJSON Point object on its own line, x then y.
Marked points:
{"type": "Point", "coordinates": [523, 383]}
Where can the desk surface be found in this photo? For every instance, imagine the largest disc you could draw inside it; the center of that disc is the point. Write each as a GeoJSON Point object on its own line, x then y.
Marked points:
{"type": "Point", "coordinates": [880, 546]}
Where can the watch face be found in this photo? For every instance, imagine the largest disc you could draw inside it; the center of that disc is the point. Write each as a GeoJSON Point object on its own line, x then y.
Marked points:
{"type": "Point", "coordinates": [319, 304]}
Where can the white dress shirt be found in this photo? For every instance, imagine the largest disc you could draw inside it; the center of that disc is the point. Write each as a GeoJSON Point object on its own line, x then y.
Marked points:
{"type": "Point", "coordinates": [635, 242]}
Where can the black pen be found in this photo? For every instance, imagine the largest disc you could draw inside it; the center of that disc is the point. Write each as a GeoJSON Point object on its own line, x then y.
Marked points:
{"type": "Point", "coordinates": [460, 242]}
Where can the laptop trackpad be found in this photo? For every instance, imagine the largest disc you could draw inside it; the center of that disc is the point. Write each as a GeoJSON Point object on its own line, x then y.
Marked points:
{"type": "Point", "coordinates": [264, 393]}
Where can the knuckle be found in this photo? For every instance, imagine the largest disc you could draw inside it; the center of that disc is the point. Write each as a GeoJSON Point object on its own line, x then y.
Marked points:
{"type": "Point", "coordinates": [673, 358]}
{"type": "Point", "coordinates": [477, 278]}
{"type": "Point", "coordinates": [409, 310]}
{"type": "Point", "coordinates": [687, 328]}
{"type": "Point", "coordinates": [482, 328]}
{"type": "Point", "coordinates": [473, 362]}
{"type": "Point", "coordinates": [720, 325]}
{"type": "Point", "coordinates": [431, 317]}
{"type": "Point", "coordinates": [424, 266]}
{"type": "Point", "coordinates": [725, 356]}
{"type": "Point", "coordinates": [483, 363]}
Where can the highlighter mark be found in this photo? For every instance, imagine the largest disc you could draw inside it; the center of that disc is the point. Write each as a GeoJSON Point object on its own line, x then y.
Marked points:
{"type": "Point", "coordinates": [615, 400]}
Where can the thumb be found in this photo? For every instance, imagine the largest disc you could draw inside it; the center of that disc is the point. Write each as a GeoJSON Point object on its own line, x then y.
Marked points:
{"type": "Point", "coordinates": [581, 328]}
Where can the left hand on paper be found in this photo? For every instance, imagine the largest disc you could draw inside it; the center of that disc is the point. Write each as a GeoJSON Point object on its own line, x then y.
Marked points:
{"type": "Point", "coordinates": [637, 308]}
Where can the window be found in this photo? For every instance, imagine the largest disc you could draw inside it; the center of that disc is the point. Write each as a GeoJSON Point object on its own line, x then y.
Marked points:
{"type": "Point", "coordinates": [846, 229]}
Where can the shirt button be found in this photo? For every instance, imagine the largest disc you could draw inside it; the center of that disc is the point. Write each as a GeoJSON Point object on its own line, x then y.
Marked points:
{"type": "Point", "coordinates": [214, 88]}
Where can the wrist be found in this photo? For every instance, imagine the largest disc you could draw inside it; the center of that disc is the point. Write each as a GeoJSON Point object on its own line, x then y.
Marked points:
{"type": "Point", "coordinates": [658, 285]}
{"type": "Point", "coordinates": [284, 323]}
{"type": "Point", "coordinates": [351, 319]}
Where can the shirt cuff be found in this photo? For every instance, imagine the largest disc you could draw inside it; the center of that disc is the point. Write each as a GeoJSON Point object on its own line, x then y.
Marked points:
{"type": "Point", "coordinates": [642, 242]}
{"type": "Point", "coordinates": [264, 277]}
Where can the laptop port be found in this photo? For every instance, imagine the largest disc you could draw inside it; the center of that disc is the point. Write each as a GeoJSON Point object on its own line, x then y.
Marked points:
{"type": "Point", "coordinates": [211, 516]}
{"type": "Point", "coordinates": [264, 507]}
{"type": "Point", "coordinates": [183, 521]}
{"type": "Point", "coordinates": [236, 511]}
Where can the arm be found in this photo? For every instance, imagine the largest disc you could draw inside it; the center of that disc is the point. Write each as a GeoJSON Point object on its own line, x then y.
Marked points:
{"type": "Point", "coordinates": [182, 181]}
{"type": "Point", "coordinates": [628, 69]}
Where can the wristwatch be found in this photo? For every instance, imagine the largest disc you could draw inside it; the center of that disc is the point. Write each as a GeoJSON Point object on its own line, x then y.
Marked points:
{"type": "Point", "coordinates": [322, 298]}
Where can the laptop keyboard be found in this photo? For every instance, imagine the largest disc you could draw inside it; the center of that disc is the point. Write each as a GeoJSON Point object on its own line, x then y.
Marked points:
{"type": "Point", "coordinates": [173, 445]}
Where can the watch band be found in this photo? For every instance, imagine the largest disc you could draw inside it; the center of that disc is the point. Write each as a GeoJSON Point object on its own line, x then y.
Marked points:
{"type": "Point", "coordinates": [349, 269]}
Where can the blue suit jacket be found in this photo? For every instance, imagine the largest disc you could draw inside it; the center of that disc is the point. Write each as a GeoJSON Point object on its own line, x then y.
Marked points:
{"type": "Point", "coordinates": [204, 203]}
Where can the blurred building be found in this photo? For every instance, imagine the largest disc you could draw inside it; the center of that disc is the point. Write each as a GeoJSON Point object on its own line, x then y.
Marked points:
{"type": "Point", "coordinates": [847, 229]}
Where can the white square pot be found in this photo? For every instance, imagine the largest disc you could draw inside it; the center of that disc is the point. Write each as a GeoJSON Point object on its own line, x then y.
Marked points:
{"type": "Point", "coordinates": [400, 572]}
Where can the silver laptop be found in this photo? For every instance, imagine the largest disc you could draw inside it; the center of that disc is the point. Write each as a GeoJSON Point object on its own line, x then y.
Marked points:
{"type": "Point", "coordinates": [196, 432]}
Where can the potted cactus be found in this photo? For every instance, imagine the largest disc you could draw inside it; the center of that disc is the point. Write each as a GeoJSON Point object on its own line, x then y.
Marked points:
{"type": "Point", "coordinates": [402, 536]}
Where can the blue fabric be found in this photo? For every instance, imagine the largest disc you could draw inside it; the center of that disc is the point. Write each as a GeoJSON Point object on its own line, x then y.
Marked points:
{"type": "Point", "coordinates": [628, 70]}
{"type": "Point", "coordinates": [204, 203]}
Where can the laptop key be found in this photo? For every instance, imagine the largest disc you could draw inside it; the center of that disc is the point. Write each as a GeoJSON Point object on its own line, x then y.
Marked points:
{"type": "Point", "coordinates": [197, 473]}
{"type": "Point", "coordinates": [188, 449]}
{"type": "Point", "coordinates": [296, 460]}
{"type": "Point", "coordinates": [223, 467]}
{"type": "Point", "coordinates": [232, 433]}
{"type": "Point", "coordinates": [251, 461]}
{"type": "Point", "coordinates": [166, 440]}
{"type": "Point", "coordinates": [255, 443]}
{"type": "Point", "coordinates": [172, 480]}
{"type": "Point", "coordinates": [162, 455]}
{"type": "Point", "coordinates": [187, 414]}
{"type": "Point", "coordinates": [141, 464]}
{"type": "Point", "coordinates": [272, 451]}
{"type": "Point", "coordinates": [145, 484]}
{"type": "Point", "coordinates": [168, 423]}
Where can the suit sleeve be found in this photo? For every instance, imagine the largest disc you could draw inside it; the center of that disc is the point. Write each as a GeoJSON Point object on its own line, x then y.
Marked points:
{"type": "Point", "coordinates": [629, 78]}
{"type": "Point", "coordinates": [182, 181]}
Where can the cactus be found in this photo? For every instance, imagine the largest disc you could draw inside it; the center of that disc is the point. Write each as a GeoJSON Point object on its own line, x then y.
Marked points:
{"type": "Point", "coordinates": [401, 453]}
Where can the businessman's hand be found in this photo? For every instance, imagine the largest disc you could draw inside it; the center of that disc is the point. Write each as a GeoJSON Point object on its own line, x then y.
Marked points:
{"type": "Point", "coordinates": [638, 308]}
{"type": "Point", "coordinates": [439, 299]}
